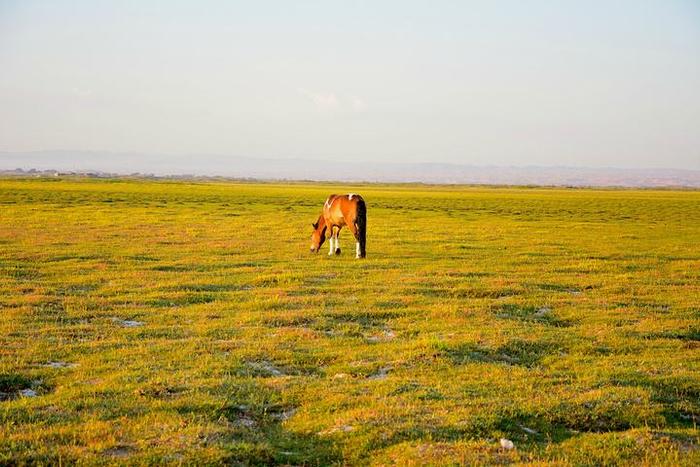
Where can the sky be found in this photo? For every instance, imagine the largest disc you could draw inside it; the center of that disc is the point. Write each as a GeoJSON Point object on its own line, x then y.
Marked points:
{"type": "Point", "coordinates": [600, 83]}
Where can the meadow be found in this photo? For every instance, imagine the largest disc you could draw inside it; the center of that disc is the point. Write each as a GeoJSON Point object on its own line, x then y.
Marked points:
{"type": "Point", "coordinates": [174, 322]}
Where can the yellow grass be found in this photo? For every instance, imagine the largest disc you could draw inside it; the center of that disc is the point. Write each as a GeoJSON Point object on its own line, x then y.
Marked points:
{"type": "Point", "coordinates": [566, 321]}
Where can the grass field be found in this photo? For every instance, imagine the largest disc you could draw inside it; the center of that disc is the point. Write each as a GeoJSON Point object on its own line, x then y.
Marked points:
{"type": "Point", "coordinates": [174, 322]}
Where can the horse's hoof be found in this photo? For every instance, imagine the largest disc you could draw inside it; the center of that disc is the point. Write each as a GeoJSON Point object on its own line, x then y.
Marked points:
{"type": "Point", "coordinates": [337, 252]}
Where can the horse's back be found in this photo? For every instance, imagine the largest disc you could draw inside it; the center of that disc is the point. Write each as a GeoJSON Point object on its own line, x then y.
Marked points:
{"type": "Point", "coordinates": [330, 200]}
{"type": "Point", "coordinates": [339, 208]}
{"type": "Point", "coordinates": [350, 202]}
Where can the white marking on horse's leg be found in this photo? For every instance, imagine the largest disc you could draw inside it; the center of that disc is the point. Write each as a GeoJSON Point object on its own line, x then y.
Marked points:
{"type": "Point", "coordinates": [337, 243]}
{"type": "Point", "coordinates": [331, 243]}
{"type": "Point", "coordinates": [357, 249]}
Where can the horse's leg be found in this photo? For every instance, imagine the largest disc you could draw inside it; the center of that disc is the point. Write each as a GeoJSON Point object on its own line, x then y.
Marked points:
{"type": "Point", "coordinates": [353, 228]}
{"type": "Point", "coordinates": [331, 242]}
{"type": "Point", "coordinates": [337, 241]}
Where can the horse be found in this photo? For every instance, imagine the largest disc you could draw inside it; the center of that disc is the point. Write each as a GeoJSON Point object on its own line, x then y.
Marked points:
{"type": "Point", "coordinates": [339, 211]}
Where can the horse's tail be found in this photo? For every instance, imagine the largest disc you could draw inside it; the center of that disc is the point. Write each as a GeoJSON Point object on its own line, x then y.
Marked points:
{"type": "Point", "coordinates": [361, 225]}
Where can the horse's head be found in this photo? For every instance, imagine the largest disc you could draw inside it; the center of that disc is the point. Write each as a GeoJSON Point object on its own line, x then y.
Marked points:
{"type": "Point", "coordinates": [319, 234]}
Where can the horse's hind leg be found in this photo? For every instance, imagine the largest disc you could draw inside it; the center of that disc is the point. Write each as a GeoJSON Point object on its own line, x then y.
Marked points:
{"type": "Point", "coordinates": [337, 241]}
{"type": "Point", "coordinates": [353, 228]}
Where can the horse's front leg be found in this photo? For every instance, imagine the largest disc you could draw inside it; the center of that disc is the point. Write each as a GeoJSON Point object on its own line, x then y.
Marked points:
{"type": "Point", "coordinates": [331, 242]}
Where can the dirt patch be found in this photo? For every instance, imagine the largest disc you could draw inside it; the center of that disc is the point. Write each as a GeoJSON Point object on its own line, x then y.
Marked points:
{"type": "Point", "coordinates": [531, 314]}
{"type": "Point", "coordinates": [159, 391]}
{"type": "Point", "coordinates": [120, 451]}
{"type": "Point", "coordinates": [514, 352]}
{"type": "Point", "coordinates": [384, 336]}
{"type": "Point", "coordinates": [59, 365]}
{"type": "Point", "coordinates": [382, 373]}
{"type": "Point", "coordinates": [263, 368]}
{"type": "Point", "coordinates": [127, 323]}
{"type": "Point", "coordinates": [336, 429]}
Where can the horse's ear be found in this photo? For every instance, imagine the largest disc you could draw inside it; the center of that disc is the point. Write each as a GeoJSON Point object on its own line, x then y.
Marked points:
{"type": "Point", "coordinates": [315, 225]}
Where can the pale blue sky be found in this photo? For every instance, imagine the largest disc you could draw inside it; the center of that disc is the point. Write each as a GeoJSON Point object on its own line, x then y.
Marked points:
{"type": "Point", "coordinates": [575, 83]}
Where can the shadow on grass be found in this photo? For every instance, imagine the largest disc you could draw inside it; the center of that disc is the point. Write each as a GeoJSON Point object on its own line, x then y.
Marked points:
{"type": "Point", "coordinates": [364, 318]}
{"type": "Point", "coordinates": [692, 334]}
{"type": "Point", "coordinates": [429, 291]}
{"type": "Point", "coordinates": [531, 314]}
{"type": "Point", "coordinates": [514, 352]}
{"type": "Point", "coordinates": [11, 384]}
{"type": "Point", "coordinates": [679, 396]}
{"type": "Point", "coordinates": [182, 300]}
{"type": "Point", "coordinates": [563, 288]}
{"type": "Point", "coordinates": [207, 288]}
{"type": "Point", "coordinates": [606, 412]}
{"type": "Point", "coordinates": [293, 320]}
{"type": "Point", "coordinates": [257, 436]}
{"type": "Point", "coordinates": [522, 428]}
{"type": "Point", "coordinates": [615, 408]}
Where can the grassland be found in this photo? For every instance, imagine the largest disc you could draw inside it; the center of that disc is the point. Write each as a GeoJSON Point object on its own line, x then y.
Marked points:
{"type": "Point", "coordinates": [158, 322]}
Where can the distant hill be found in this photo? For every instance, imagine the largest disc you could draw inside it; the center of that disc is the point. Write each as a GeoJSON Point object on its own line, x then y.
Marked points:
{"type": "Point", "coordinates": [301, 169]}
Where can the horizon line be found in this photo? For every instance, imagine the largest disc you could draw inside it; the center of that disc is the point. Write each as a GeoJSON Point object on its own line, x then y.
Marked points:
{"type": "Point", "coordinates": [342, 161]}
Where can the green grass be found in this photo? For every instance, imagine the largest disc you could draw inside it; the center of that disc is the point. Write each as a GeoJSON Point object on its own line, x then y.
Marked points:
{"type": "Point", "coordinates": [567, 321]}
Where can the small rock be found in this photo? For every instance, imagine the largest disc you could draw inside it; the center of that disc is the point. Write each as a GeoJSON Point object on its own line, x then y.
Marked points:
{"type": "Point", "coordinates": [131, 324]}
{"type": "Point", "coordinates": [330, 431]}
{"type": "Point", "coordinates": [507, 358]}
{"type": "Point", "coordinates": [127, 323]}
{"type": "Point", "coordinates": [507, 444]}
{"type": "Point", "coordinates": [542, 312]}
{"type": "Point", "coordinates": [270, 368]}
{"type": "Point", "coordinates": [340, 376]}
{"type": "Point", "coordinates": [28, 393]}
{"type": "Point", "coordinates": [527, 430]}
{"type": "Point", "coordinates": [246, 422]}
{"type": "Point", "coordinates": [60, 365]}
{"type": "Point", "coordinates": [118, 451]}
{"type": "Point", "coordinates": [267, 368]}
{"type": "Point", "coordinates": [284, 415]}
{"type": "Point", "coordinates": [386, 335]}
{"type": "Point", "coordinates": [381, 373]}
{"type": "Point", "coordinates": [694, 418]}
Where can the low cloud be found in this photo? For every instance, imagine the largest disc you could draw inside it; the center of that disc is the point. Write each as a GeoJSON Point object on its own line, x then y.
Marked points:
{"type": "Point", "coordinates": [357, 104]}
{"type": "Point", "coordinates": [329, 102]}
{"type": "Point", "coordinates": [81, 92]}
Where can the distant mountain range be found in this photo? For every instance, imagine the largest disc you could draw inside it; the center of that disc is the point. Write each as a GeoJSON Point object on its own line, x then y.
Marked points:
{"type": "Point", "coordinates": [301, 169]}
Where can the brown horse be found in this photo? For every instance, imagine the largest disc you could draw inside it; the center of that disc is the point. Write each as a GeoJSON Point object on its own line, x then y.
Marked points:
{"type": "Point", "coordinates": [339, 211]}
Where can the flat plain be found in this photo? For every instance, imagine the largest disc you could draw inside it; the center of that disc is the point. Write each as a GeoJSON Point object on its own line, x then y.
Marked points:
{"type": "Point", "coordinates": [182, 322]}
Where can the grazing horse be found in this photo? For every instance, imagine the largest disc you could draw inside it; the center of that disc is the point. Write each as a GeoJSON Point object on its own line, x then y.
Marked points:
{"type": "Point", "coordinates": [339, 211]}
